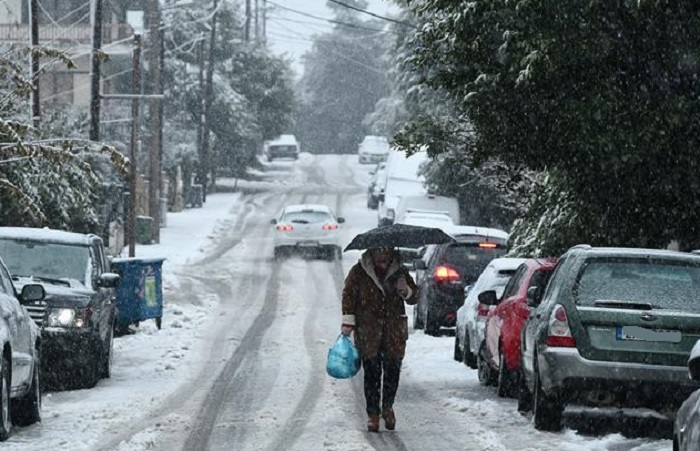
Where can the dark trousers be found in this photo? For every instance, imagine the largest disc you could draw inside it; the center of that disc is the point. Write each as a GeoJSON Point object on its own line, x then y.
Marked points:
{"type": "Point", "coordinates": [376, 385]}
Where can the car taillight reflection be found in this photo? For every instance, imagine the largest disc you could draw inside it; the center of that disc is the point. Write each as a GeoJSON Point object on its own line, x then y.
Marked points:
{"type": "Point", "coordinates": [285, 228]}
{"type": "Point", "coordinates": [330, 226]}
{"type": "Point", "coordinates": [445, 274]}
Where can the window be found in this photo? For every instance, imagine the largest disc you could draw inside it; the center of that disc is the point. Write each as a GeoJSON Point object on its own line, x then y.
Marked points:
{"type": "Point", "coordinates": [515, 282]}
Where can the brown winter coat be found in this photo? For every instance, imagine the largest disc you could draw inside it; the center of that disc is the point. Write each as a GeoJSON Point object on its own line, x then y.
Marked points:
{"type": "Point", "coordinates": [372, 305]}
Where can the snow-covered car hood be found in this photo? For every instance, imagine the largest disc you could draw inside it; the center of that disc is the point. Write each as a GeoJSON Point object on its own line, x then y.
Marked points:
{"type": "Point", "coordinates": [76, 296]}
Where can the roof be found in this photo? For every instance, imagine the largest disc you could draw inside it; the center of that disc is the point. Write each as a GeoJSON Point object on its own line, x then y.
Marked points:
{"type": "Point", "coordinates": [458, 230]}
{"type": "Point", "coordinates": [302, 207]}
{"type": "Point", "coordinates": [506, 263]}
{"type": "Point", "coordinates": [47, 235]}
{"type": "Point", "coordinates": [283, 139]}
{"type": "Point", "coordinates": [637, 252]}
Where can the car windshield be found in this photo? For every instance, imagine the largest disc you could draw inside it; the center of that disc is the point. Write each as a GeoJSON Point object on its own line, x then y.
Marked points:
{"type": "Point", "coordinates": [306, 217]}
{"type": "Point", "coordinates": [663, 284]}
{"type": "Point", "coordinates": [44, 259]}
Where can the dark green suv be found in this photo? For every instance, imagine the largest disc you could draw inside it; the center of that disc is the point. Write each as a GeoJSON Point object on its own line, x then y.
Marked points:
{"type": "Point", "coordinates": [614, 327]}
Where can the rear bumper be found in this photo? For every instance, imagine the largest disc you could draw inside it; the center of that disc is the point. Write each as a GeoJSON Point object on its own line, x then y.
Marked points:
{"type": "Point", "coordinates": [564, 372]}
{"type": "Point", "coordinates": [310, 242]}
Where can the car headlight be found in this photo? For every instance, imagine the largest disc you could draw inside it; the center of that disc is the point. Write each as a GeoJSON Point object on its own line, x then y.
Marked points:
{"type": "Point", "coordinates": [67, 317]}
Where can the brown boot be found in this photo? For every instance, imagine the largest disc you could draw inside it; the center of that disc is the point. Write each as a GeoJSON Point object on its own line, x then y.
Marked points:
{"type": "Point", "coordinates": [373, 423]}
{"type": "Point", "coordinates": [389, 418]}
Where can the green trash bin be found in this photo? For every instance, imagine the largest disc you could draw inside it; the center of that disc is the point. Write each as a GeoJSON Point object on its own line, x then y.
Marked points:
{"type": "Point", "coordinates": [144, 229]}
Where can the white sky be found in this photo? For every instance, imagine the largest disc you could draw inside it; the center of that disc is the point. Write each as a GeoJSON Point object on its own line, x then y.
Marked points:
{"type": "Point", "coordinates": [290, 33]}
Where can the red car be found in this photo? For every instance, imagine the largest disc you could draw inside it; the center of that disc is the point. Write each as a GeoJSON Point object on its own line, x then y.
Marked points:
{"type": "Point", "coordinates": [505, 322]}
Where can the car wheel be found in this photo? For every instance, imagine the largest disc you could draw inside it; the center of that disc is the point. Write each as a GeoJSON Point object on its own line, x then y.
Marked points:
{"type": "Point", "coordinates": [505, 377]}
{"type": "Point", "coordinates": [524, 395]}
{"type": "Point", "coordinates": [484, 371]}
{"type": "Point", "coordinates": [279, 253]}
{"type": "Point", "coordinates": [546, 411]}
{"type": "Point", "coordinates": [5, 424]}
{"type": "Point", "coordinates": [106, 360]}
{"type": "Point", "coordinates": [469, 357]}
{"type": "Point", "coordinates": [417, 320]}
{"type": "Point", "coordinates": [457, 352]}
{"type": "Point", "coordinates": [432, 326]}
{"type": "Point", "coordinates": [27, 410]}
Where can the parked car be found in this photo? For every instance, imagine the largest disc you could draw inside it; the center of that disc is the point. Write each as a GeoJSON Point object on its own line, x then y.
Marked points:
{"type": "Point", "coordinates": [285, 146]}
{"type": "Point", "coordinates": [504, 323]}
{"type": "Point", "coordinates": [686, 427]}
{"type": "Point", "coordinates": [471, 316]}
{"type": "Point", "coordinates": [373, 149]}
{"type": "Point", "coordinates": [615, 327]}
{"type": "Point", "coordinates": [305, 229]}
{"type": "Point", "coordinates": [77, 315]}
{"type": "Point", "coordinates": [20, 373]}
{"type": "Point", "coordinates": [375, 188]}
{"type": "Point", "coordinates": [403, 178]}
{"type": "Point", "coordinates": [445, 270]}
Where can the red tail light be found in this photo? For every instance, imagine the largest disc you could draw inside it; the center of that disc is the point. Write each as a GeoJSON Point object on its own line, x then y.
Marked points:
{"type": "Point", "coordinates": [285, 228]}
{"type": "Point", "coordinates": [330, 226]}
{"type": "Point", "coordinates": [482, 310]}
{"type": "Point", "coordinates": [445, 274]}
{"type": "Point", "coordinates": [559, 330]}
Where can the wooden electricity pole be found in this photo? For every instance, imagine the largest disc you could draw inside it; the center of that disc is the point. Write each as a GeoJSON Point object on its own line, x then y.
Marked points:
{"type": "Point", "coordinates": [95, 71]}
{"type": "Point", "coordinates": [247, 21]}
{"type": "Point", "coordinates": [205, 164]}
{"type": "Point", "coordinates": [156, 116]}
{"type": "Point", "coordinates": [36, 104]}
{"type": "Point", "coordinates": [135, 125]}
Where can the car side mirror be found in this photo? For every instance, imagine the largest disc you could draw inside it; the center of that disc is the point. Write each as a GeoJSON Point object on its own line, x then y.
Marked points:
{"type": "Point", "coordinates": [108, 280]}
{"type": "Point", "coordinates": [32, 292]}
{"type": "Point", "coordinates": [533, 296]}
{"type": "Point", "coordinates": [273, 221]}
{"type": "Point", "coordinates": [419, 263]}
{"type": "Point", "coordinates": [488, 297]}
{"type": "Point", "coordinates": [340, 220]}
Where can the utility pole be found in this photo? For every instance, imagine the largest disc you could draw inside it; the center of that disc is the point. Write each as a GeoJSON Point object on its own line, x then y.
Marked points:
{"type": "Point", "coordinates": [135, 125]}
{"type": "Point", "coordinates": [257, 30]}
{"type": "Point", "coordinates": [264, 21]}
{"type": "Point", "coordinates": [200, 99]}
{"type": "Point", "coordinates": [95, 71]}
{"type": "Point", "coordinates": [205, 164]}
{"type": "Point", "coordinates": [34, 19]}
{"type": "Point", "coordinates": [155, 112]}
{"type": "Point", "coordinates": [247, 20]}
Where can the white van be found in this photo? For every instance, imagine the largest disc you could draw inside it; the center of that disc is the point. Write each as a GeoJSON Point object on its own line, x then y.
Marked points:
{"type": "Point", "coordinates": [402, 179]}
{"type": "Point", "coordinates": [286, 146]}
{"type": "Point", "coordinates": [427, 203]}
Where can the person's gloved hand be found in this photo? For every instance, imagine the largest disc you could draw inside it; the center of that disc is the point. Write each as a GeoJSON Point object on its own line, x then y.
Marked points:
{"type": "Point", "coordinates": [402, 288]}
{"type": "Point", "coordinates": [346, 329]}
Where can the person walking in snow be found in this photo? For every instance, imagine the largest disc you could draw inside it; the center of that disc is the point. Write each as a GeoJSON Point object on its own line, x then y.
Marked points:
{"type": "Point", "coordinates": [373, 309]}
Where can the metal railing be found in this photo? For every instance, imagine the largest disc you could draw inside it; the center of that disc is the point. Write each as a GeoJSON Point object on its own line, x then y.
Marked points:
{"type": "Point", "coordinates": [51, 33]}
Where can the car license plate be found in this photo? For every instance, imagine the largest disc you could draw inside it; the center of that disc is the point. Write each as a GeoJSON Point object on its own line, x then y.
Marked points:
{"type": "Point", "coordinates": [308, 243]}
{"type": "Point", "coordinates": [642, 334]}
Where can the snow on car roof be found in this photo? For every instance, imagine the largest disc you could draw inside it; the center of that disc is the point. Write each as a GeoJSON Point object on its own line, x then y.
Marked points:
{"type": "Point", "coordinates": [506, 263]}
{"type": "Point", "coordinates": [307, 207]}
{"type": "Point", "coordinates": [45, 235]}
{"type": "Point", "coordinates": [458, 230]}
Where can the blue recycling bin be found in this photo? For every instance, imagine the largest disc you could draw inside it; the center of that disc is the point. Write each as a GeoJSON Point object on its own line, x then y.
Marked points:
{"type": "Point", "coordinates": [140, 290]}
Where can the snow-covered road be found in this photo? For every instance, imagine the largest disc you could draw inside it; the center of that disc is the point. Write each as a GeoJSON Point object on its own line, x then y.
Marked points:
{"type": "Point", "coordinates": [240, 360]}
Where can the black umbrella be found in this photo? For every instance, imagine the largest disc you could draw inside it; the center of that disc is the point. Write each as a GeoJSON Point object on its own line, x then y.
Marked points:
{"type": "Point", "coordinates": [399, 235]}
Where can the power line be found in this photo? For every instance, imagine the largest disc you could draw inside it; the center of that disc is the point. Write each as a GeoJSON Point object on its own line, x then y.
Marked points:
{"type": "Point", "coordinates": [364, 11]}
{"type": "Point", "coordinates": [333, 21]}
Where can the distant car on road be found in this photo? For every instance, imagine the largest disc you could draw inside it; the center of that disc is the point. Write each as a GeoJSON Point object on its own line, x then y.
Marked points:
{"type": "Point", "coordinates": [445, 270]}
{"type": "Point", "coordinates": [78, 313]}
{"type": "Point", "coordinates": [305, 229]}
{"type": "Point", "coordinates": [20, 338]}
{"type": "Point", "coordinates": [286, 146]}
{"type": "Point", "coordinates": [505, 321]}
{"type": "Point", "coordinates": [375, 189]}
{"type": "Point", "coordinates": [373, 149]}
{"type": "Point", "coordinates": [614, 328]}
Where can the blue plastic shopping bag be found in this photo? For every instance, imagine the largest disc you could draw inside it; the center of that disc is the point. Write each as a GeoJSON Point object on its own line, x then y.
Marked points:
{"type": "Point", "coordinates": [343, 359]}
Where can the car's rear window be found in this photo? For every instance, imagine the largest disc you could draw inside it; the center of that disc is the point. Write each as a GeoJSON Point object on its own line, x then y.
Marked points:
{"type": "Point", "coordinates": [662, 283]}
{"type": "Point", "coordinates": [306, 217]}
{"type": "Point", "coordinates": [290, 148]}
{"type": "Point", "coordinates": [471, 258]}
